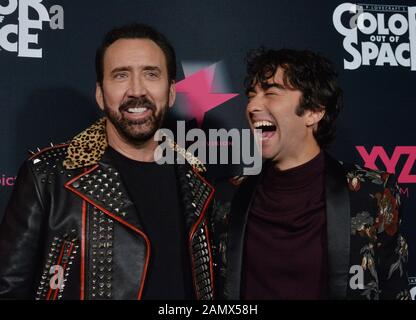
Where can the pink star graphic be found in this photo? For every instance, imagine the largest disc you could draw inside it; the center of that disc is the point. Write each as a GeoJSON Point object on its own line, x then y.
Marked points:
{"type": "Point", "coordinates": [198, 88]}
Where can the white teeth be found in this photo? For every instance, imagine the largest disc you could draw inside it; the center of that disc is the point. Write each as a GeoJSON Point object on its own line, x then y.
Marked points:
{"type": "Point", "coordinates": [136, 110]}
{"type": "Point", "coordinates": [262, 123]}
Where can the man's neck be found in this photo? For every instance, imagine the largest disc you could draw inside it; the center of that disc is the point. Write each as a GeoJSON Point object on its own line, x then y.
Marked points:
{"type": "Point", "coordinates": [143, 152]}
{"type": "Point", "coordinates": [298, 160]}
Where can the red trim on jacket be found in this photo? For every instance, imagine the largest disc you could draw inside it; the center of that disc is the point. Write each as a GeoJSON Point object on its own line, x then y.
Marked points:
{"type": "Point", "coordinates": [57, 264]}
{"type": "Point", "coordinates": [47, 148]}
{"type": "Point", "coordinates": [83, 237]}
{"type": "Point", "coordinates": [61, 254]}
{"type": "Point", "coordinates": [211, 266]}
{"type": "Point", "coordinates": [64, 268]}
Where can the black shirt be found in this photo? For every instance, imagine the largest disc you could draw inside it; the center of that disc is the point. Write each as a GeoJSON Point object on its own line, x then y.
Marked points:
{"type": "Point", "coordinates": [154, 192]}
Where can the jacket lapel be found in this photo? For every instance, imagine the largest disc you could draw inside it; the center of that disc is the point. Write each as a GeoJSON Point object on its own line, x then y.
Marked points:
{"type": "Point", "coordinates": [101, 186]}
{"type": "Point", "coordinates": [338, 228]}
{"type": "Point", "coordinates": [237, 227]}
{"type": "Point", "coordinates": [196, 195]}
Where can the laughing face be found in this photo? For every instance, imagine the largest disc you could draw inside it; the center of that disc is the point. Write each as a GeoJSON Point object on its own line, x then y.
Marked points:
{"type": "Point", "coordinates": [135, 93]}
{"type": "Point", "coordinates": [286, 138]}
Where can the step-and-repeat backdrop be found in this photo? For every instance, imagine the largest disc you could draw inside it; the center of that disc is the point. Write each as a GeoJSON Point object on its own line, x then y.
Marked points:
{"type": "Point", "coordinates": [47, 78]}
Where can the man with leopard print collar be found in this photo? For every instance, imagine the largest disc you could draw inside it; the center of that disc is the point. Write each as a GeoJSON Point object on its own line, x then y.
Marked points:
{"type": "Point", "coordinates": [99, 218]}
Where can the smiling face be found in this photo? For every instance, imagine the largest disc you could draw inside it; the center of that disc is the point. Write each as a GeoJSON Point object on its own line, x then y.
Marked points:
{"type": "Point", "coordinates": [287, 138]}
{"type": "Point", "coordinates": [135, 93]}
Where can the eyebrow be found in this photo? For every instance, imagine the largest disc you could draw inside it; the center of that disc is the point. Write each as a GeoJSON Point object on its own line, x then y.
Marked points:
{"type": "Point", "coordinates": [152, 68]}
{"type": "Point", "coordinates": [146, 68]}
{"type": "Point", "coordinates": [266, 86]}
{"type": "Point", "coordinates": [120, 69]}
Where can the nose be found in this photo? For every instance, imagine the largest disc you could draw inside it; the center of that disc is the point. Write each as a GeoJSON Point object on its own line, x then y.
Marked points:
{"type": "Point", "coordinates": [137, 87]}
{"type": "Point", "coordinates": [255, 105]}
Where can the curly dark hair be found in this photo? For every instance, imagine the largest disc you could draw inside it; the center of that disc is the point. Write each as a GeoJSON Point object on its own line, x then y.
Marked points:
{"type": "Point", "coordinates": [135, 31]}
{"type": "Point", "coordinates": [306, 71]}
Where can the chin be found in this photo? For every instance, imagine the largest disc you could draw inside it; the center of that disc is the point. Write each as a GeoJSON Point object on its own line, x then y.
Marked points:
{"type": "Point", "coordinates": [267, 152]}
{"type": "Point", "coordinates": [267, 156]}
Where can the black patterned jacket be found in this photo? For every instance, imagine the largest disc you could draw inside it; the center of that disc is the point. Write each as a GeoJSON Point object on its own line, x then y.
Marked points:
{"type": "Point", "coordinates": [70, 230]}
{"type": "Point", "coordinates": [363, 219]}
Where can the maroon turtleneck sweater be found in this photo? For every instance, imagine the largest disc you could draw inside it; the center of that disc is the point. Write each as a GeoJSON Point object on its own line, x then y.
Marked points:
{"type": "Point", "coordinates": [285, 252]}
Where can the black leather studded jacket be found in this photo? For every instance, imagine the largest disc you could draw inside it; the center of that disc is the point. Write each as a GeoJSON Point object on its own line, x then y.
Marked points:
{"type": "Point", "coordinates": [71, 232]}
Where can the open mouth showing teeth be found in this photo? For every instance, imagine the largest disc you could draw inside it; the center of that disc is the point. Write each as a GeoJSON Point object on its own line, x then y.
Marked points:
{"type": "Point", "coordinates": [136, 110]}
{"type": "Point", "coordinates": [267, 128]}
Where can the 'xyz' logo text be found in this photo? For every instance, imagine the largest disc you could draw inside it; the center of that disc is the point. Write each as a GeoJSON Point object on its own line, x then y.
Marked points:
{"type": "Point", "coordinates": [23, 31]}
{"type": "Point", "coordinates": [390, 163]}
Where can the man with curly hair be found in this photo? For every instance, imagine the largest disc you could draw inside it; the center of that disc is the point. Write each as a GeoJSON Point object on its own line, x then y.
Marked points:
{"type": "Point", "coordinates": [307, 227]}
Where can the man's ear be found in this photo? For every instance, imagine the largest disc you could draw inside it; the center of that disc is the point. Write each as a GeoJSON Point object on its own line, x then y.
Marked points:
{"type": "Point", "coordinates": [99, 96]}
{"type": "Point", "coordinates": [312, 117]}
{"type": "Point", "coordinates": [172, 93]}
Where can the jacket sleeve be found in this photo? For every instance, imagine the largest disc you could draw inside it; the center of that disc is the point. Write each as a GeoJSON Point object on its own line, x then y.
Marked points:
{"type": "Point", "coordinates": [20, 233]}
{"type": "Point", "coordinates": [393, 252]}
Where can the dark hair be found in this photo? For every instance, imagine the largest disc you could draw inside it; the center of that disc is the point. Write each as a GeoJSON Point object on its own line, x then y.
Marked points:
{"type": "Point", "coordinates": [135, 31]}
{"type": "Point", "coordinates": [306, 71]}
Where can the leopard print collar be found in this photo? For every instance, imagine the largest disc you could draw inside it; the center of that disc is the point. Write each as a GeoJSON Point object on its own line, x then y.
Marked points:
{"type": "Point", "coordinates": [88, 147]}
